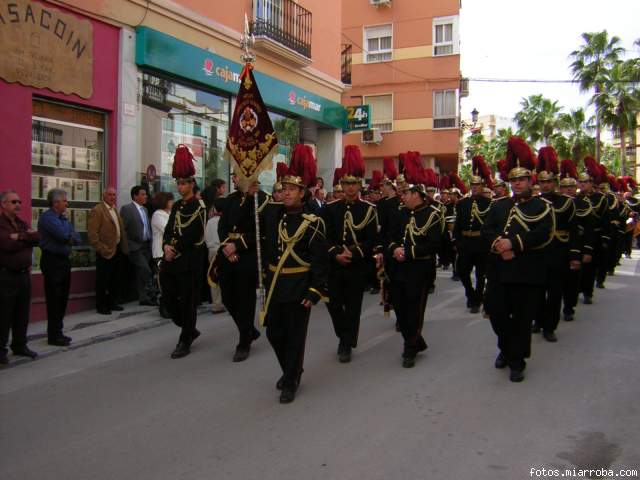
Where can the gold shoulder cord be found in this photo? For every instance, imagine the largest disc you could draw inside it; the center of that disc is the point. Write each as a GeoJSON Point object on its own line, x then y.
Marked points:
{"type": "Point", "coordinates": [523, 219]}
{"type": "Point", "coordinates": [183, 221]}
{"type": "Point", "coordinates": [479, 214]}
{"type": "Point", "coordinates": [583, 212]}
{"type": "Point", "coordinates": [348, 222]}
{"type": "Point", "coordinates": [596, 208]}
{"type": "Point", "coordinates": [412, 229]}
{"type": "Point", "coordinates": [564, 207]}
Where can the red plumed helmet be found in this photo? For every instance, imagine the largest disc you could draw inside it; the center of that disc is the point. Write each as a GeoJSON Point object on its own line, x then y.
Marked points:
{"type": "Point", "coordinates": [303, 164]}
{"type": "Point", "coordinates": [183, 163]}
{"type": "Point", "coordinates": [593, 169]}
{"type": "Point", "coordinates": [389, 168]}
{"type": "Point", "coordinates": [444, 183]}
{"type": "Point", "coordinates": [402, 159]}
{"type": "Point", "coordinates": [630, 183]}
{"type": "Point", "coordinates": [503, 169]}
{"type": "Point", "coordinates": [352, 162]}
{"type": "Point", "coordinates": [519, 154]}
{"type": "Point", "coordinates": [622, 185]}
{"type": "Point", "coordinates": [481, 169]}
{"type": "Point", "coordinates": [337, 175]}
{"type": "Point", "coordinates": [282, 169]}
{"type": "Point", "coordinates": [413, 172]}
{"type": "Point", "coordinates": [613, 182]}
{"type": "Point", "coordinates": [458, 183]}
{"type": "Point", "coordinates": [376, 180]}
{"type": "Point", "coordinates": [548, 160]}
{"type": "Point", "coordinates": [430, 179]}
{"type": "Point", "coordinates": [568, 169]}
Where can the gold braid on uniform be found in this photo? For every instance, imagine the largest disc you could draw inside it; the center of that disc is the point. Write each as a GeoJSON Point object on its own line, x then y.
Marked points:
{"type": "Point", "coordinates": [368, 218]}
{"type": "Point", "coordinates": [477, 213]}
{"type": "Point", "coordinates": [584, 212]}
{"type": "Point", "coordinates": [524, 219]}
{"type": "Point", "coordinates": [183, 221]}
{"type": "Point", "coordinates": [596, 208]}
{"type": "Point", "coordinates": [412, 229]}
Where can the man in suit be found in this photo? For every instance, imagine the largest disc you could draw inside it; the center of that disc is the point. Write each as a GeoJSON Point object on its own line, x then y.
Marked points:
{"type": "Point", "coordinates": [135, 218]}
{"type": "Point", "coordinates": [107, 235]}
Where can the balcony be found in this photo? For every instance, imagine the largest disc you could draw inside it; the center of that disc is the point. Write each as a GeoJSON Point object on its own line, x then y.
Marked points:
{"type": "Point", "coordinates": [283, 27]}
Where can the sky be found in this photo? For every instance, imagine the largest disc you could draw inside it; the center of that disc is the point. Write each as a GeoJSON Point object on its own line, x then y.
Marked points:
{"type": "Point", "coordinates": [518, 39]}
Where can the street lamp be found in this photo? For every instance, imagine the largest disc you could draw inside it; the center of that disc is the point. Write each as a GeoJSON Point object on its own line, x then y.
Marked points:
{"type": "Point", "coordinates": [474, 116]}
{"type": "Point", "coordinates": [474, 121]}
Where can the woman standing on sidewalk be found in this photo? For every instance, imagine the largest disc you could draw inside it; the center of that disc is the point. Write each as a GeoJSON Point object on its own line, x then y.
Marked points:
{"type": "Point", "coordinates": [163, 201]}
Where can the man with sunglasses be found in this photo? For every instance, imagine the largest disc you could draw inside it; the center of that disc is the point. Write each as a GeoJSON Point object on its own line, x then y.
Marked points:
{"type": "Point", "coordinates": [17, 240]}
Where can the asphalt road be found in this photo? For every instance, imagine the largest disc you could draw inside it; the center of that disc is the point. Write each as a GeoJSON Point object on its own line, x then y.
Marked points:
{"type": "Point", "coordinates": [123, 410]}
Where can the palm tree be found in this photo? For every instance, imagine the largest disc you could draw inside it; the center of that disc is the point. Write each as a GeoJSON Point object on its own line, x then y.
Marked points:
{"type": "Point", "coordinates": [590, 63]}
{"type": "Point", "coordinates": [619, 103]}
{"type": "Point", "coordinates": [578, 130]}
{"type": "Point", "coordinates": [538, 119]}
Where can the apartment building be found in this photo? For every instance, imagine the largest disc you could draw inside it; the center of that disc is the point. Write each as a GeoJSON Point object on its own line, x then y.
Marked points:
{"type": "Point", "coordinates": [405, 63]}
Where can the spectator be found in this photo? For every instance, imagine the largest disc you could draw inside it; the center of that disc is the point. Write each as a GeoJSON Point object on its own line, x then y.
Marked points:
{"type": "Point", "coordinates": [163, 202]}
{"type": "Point", "coordinates": [213, 244]}
{"type": "Point", "coordinates": [217, 189]}
{"type": "Point", "coordinates": [57, 236]}
{"type": "Point", "coordinates": [16, 243]}
{"type": "Point", "coordinates": [135, 218]}
{"type": "Point", "coordinates": [107, 235]}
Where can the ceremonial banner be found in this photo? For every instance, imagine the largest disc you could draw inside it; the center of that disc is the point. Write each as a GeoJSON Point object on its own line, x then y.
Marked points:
{"type": "Point", "coordinates": [252, 141]}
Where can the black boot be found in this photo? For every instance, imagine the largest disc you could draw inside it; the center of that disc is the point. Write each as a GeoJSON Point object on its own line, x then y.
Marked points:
{"type": "Point", "coordinates": [181, 350]}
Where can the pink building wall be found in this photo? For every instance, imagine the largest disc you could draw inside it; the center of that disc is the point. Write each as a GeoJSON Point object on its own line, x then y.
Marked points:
{"type": "Point", "coordinates": [15, 138]}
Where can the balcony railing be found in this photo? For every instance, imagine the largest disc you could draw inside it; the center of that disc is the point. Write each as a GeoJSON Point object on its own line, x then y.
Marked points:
{"type": "Point", "coordinates": [285, 22]}
{"type": "Point", "coordinates": [346, 64]}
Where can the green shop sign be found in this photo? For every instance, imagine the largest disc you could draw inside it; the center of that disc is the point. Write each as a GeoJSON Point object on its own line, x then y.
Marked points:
{"type": "Point", "coordinates": [168, 54]}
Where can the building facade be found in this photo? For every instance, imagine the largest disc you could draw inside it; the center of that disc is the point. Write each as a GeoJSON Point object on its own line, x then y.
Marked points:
{"type": "Point", "coordinates": [96, 94]}
{"type": "Point", "coordinates": [405, 64]}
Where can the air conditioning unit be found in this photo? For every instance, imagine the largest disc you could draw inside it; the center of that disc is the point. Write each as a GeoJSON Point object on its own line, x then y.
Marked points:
{"type": "Point", "coordinates": [386, 3]}
{"type": "Point", "coordinates": [371, 135]}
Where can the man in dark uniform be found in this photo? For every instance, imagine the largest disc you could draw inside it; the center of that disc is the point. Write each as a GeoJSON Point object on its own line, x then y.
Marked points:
{"type": "Point", "coordinates": [237, 266]}
{"type": "Point", "coordinates": [388, 208]}
{"type": "Point", "coordinates": [181, 271]}
{"type": "Point", "coordinates": [616, 230]}
{"type": "Point", "coordinates": [601, 228]}
{"type": "Point", "coordinates": [295, 253]}
{"type": "Point", "coordinates": [584, 243]}
{"type": "Point", "coordinates": [414, 243]}
{"type": "Point", "coordinates": [563, 253]}
{"type": "Point", "coordinates": [518, 229]}
{"type": "Point", "coordinates": [352, 231]}
{"type": "Point", "coordinates": [500, 189]}
{"type": "Point", "coordinates": [450, 222]}
{"type": "Point", "coordinates": [472, 249]}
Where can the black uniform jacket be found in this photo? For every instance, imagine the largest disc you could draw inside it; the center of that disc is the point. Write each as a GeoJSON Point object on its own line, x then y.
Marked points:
{"type": "Point", "coordinates": [587, 222]}
{"type": "Point", "coordinates": [294, 254]}
{"type": "Point", "coordinates": [470, 216]}
{"type": "Point", "coordinates": [238, 226]}
{"type": "Point", "coordinates": [565, 245]}
{"type": "Point", "coordinates": [602, 218]}
{"type": "Point", "coordinates": [419, 232]}
{"type": "Point", "coordinates": [352, 226]}
{"type": "Point", "coordinates": [185, 233]}
{"type": "Point", "coordinates": [528, 223]}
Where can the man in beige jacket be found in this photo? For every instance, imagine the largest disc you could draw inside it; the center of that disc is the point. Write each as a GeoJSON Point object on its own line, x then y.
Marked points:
{"type": "Point", "coordinates": [107, 235]}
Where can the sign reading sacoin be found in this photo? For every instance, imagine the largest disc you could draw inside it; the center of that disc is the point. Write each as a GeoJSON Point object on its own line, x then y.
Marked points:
{"type": "Point", "coordinates": [43, 47]}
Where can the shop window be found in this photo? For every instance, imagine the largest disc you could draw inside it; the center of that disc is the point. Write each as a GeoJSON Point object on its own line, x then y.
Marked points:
{"type": "Point", "coordinates": [173, 113]}
{"type": "Point", "coordinates": [378, 42]}
{"type": "Point", "coordinates": [381, 111]}
{"type": "Point", "coordinates": [288, 131]}
{"type": "Point", "coordinates": [445, 109]}
{"type": "Point", "coordinates": [67, 152]}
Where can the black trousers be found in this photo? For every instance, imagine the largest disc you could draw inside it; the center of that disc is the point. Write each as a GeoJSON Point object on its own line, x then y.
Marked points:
{"type": "Point", "coordinates": [56, 270]}
{"type": "Point", "coordinates": [108, 280]}
{"type": "Point", "coordinates": [627, 243]}
{"type": "Point", "coordinates": [238, 291]}
{"type": "Point", "coordinates": [409, 303]}
{"type": "Point", "coordinates": [571, 291]}
{"type": "Point", "coordinates": [552, 295]}
{"type": "Point", "coordinates": [467, 261]}
{"type": "Point", "coordinates": [15, 301]}
{"type": "Point", "coordinates": [346, 289]}
{"type": "Point", "coordinates": [511, 309]}
{"type": "Point", "coordinates": [181, 295]}
{"type": "Point", "coordinates": [141, 261]}
{"type": "Point", "coordinates": [595, 268]}
{"type": "Point", "coordinates": [287, 325]}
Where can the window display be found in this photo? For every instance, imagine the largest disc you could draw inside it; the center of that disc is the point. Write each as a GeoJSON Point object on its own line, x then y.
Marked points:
{"type": "Point", "coordinates": [67, 152]}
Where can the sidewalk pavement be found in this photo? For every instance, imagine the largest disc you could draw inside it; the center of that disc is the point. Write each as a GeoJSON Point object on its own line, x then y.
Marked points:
{"type": "Point", "coordinates": [90, 327]}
